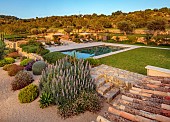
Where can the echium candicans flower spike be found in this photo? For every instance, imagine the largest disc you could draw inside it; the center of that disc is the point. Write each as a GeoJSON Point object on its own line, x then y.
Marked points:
{"type": "Point", "coordinates": [65, 86]}
{"type": "Point", "coordinates": [74, 83]}
{"type": "Point", "coordinates": [84, 76]}
{"type": "Point", "coordinates": [61, 72]}
{"type": "Point", "coordinates": [63, 93]}
{"type": "Point", "coordinates": [79, 81]}
{"type": "Point", "coordinates": [78, 77]}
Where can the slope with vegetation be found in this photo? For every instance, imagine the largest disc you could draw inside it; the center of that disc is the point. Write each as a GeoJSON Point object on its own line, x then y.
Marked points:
{"type": "Point", "coordinates": [94, 22]}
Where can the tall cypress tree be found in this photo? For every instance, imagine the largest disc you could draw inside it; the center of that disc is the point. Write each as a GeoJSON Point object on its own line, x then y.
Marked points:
{"type": "Point", "coordinates": [2, 46]}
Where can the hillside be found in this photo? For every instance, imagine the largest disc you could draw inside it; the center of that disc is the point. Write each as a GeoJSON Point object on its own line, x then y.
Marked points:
{"type": "Point", "coordinates": [140, 19]}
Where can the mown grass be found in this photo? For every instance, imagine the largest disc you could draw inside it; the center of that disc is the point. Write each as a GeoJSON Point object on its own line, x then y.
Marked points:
{"type": "Point", "coordinates": [136, 60]}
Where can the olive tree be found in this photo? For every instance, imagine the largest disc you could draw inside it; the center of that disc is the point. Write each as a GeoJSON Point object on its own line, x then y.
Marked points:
{"type": "Point", "coordinates": [2, 47]}
{"type": "Point", "coordinates": [68, 30]}
{"type": "Point", "coordinates": [125, 26]}
{"type": "Point", "coordinates": [156, 25]}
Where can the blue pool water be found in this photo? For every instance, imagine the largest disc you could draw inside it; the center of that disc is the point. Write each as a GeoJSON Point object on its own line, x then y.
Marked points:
{"type": "Point", "coordinates": [92, 51]}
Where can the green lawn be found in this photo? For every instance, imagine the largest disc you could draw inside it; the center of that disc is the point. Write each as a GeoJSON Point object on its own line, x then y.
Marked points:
{"type": "Point", "coordinates": [136, 60]}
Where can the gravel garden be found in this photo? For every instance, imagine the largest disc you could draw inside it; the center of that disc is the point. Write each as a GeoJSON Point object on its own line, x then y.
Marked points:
{"type": "Point", "coordinates": [64, 82]}
{"type": "Point", "coordinates": [62, 88]}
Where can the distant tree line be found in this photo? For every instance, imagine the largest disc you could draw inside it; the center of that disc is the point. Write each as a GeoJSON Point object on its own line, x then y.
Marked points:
{"type": "Point", "coordinates": [126, 22]}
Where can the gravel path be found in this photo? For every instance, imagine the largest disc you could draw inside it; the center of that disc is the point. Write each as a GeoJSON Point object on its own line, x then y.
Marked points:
{"type": "Point", "coordinates": [13, 111]}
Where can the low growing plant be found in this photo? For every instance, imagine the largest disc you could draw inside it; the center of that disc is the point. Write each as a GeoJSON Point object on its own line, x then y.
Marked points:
{"type": "Point", "coordinates": [28, 67]}
{"type": "Point", "coordinates": [28, 94]}
{"type": "Point", "coordinates": [22, 58]}
{"type": "Point", "coordinates": [22, 79]}
{"type": "Point", "coordinates": [9, 50]}
{"type": "Point", "coordinates": [7, 67]}
{"type": "Point", "coordinates": [43, 52]}
{"type": "Point", "coordinates": [53, 57]}
{"type": "Point", "coordinates": [13, 55]}
{"type": "Point", "coordinates": [46, 99]}
{"type": "Point", "coordinates": [6, 60]}
{"type": "Point", "coordinates": [93, 62]}
{"type": "Point", "coordinates": [14, 69]}
{"type": "Point", "coordinates": [2, 63]}
{"type": "Point", "coordinates": [9, 60]}
{"type": "Point", "coordinates": [25, 62]}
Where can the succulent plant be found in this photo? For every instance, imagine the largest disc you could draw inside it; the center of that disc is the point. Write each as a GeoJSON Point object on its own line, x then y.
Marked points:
{"type": "Point", "coordinates": [46, 99]}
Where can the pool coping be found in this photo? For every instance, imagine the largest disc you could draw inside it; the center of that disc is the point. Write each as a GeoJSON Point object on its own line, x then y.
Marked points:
{"type": "Point", "coordinates": [85, 45]}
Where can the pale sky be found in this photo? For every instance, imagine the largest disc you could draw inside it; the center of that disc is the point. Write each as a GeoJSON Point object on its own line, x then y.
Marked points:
{"type": "Point", "coordinates": [42, 8]}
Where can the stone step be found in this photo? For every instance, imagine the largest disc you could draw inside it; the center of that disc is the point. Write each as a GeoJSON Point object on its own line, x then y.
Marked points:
{"type": "Point", "coordinates": [105, 88]}
{"type": "Point", "coordinates": [100, 82]}
{"type": "Point", "coordinates": [102, 119]}
{"type": "Point", "coordinates": [111, 94]}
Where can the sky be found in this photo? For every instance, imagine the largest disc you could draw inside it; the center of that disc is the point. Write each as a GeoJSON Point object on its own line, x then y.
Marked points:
{"type": "Point", "coordinates": [43, 8]}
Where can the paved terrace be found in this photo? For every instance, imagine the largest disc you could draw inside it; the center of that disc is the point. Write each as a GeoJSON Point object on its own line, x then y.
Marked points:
{"type": "Point", "coordinates": [147, 100]}
{"type": "Point", "coordinates": [72, 46]}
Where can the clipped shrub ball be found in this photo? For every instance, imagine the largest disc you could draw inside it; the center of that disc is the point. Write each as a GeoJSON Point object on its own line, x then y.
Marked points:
{"type": "Point", "coordinates": [13, 55]}
{"type": "Point", "coordinates": [7, 67]}
{"type": "Point", "coordinates": [28, 67]}
{"type": "Point", "coordinates": [14, 69]}
{"type": "Point", "coordinates": [53, 57]}
{"type": "Point", "coordinates": [9, 60]}
{"type": "Point", "coordinates": [25, 62]}
{"type": "Point", "coordinates": [2, 63]}
{"type": "Point", "coordinates": [28, 94]}
{"type": "Point", "coordinates": [38, 67]}
{"type": "Point", "coordinates": [22, 79]}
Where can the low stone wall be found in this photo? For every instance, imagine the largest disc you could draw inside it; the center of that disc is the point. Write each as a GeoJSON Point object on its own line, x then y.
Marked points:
{"type": "Point", "coordinates": [157, 71]}
{"type": "Point", "coordinates": [29, 55]}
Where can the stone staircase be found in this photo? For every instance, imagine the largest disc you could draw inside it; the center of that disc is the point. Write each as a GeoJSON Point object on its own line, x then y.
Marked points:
{"type": "Point", "coordinates": [108, 80]}
{"type": "Point", "coordinates": [145, 102]}
{"type": "Point", "coordinates": [106, 89]}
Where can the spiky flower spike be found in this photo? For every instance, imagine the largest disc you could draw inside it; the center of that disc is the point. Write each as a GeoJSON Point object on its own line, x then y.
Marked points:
{"type": "Point", "coordinates": [66, 80]}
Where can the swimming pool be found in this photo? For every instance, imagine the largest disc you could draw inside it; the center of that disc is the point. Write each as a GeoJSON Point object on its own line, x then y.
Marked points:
{"type": "Point", "coordinates": [92, 51]}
